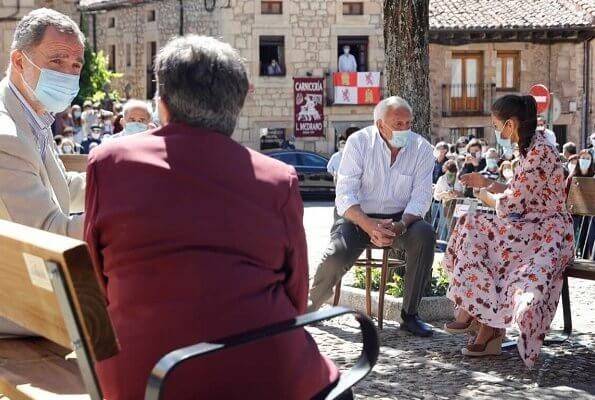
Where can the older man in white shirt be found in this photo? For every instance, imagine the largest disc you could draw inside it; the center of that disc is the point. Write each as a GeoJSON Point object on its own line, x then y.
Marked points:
{"type": "Point", "coordinates": [384, 190]}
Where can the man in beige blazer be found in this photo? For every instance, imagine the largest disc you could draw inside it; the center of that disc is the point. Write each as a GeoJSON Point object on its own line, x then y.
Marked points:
{"type": "Point", "coordinates": [35, 190]}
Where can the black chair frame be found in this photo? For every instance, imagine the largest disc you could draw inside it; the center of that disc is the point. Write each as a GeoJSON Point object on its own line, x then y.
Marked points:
{"type": "Point", "coordinates": [363, 366]}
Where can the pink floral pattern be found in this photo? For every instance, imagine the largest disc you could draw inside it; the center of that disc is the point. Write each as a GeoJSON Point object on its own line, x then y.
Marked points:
{"type": "Point", "coordinates": [507, 268]}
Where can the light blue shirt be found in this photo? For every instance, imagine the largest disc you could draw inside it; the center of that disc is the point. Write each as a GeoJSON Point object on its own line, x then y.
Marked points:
{"type": "Point", "coordinates": [41, 125]}
{"type": "Point", "coordinates": [367, 178]}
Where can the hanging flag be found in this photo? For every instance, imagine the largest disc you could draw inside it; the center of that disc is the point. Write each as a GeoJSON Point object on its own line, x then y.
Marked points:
{"type": "Point", "coordinates": [357, 88]}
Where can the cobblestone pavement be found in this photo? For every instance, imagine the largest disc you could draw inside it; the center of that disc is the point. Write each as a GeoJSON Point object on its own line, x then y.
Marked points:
{"type": "Point", "coordinates": [418, 368]}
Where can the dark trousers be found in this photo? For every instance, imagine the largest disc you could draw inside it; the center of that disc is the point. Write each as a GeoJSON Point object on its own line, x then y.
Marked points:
{"type": "Point", "coordinates": [348, 241]}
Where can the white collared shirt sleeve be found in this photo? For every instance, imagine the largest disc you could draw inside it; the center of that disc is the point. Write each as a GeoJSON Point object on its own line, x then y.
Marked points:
{"type": "Point", "coordinates": [421, 194]}
{"type": "Point", "coordinates": [333, 163]}
{"type": "Point", "coordinates": [349, 175]}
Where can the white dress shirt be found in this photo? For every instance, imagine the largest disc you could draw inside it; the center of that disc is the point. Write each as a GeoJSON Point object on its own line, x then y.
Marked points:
{"type": "Point", "coordinates": [367, 179]}
{"type": "Point", "coordinates": [347, 63]}
{"type": "Point", "coordinates": [333, 164]}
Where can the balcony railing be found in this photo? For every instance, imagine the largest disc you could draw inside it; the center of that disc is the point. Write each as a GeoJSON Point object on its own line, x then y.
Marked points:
{"type": "Point", "coordinates": [467, 100]}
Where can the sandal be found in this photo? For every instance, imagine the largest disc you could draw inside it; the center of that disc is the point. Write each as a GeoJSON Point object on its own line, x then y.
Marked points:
{"type": "Point", "coordinates": [455, 327]}
{"type": "Point", "coordinates": [492, 347]}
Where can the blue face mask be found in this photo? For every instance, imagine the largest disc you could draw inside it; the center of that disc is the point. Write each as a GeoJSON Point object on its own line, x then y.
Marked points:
{"type": "Point", "coordinates": [491, 163]}
{"type": "Point", "coordinates": [135, 127]}
{"type": "Point", "coordinates": [504, 143]}
{"type": "Point", "coordinates": [400, 139]}
{"type": "Point", "coordinates": [55, 90]}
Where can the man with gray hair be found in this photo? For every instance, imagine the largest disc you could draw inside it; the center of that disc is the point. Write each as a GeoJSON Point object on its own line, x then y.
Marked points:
{"type": "Point", "coordinates": [201, 230]}
{"type": "Point", "coordinates": [136, 118]}
{"type": "Point", "coordinates": [384, 190]}
{"type": "Point", "coordinates": [46, 59]}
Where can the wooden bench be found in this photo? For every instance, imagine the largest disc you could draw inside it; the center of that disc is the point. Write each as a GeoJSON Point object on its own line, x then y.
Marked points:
{"type": "Point", "coordinates": [49, 287]}
{"type": "Point", "coordinates": [74, 162]}
{"type": "Point", "coordinates": [581, 203]}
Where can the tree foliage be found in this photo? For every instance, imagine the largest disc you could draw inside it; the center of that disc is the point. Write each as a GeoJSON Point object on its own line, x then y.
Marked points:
{"type": "Point", "coordinates": [94, 76]}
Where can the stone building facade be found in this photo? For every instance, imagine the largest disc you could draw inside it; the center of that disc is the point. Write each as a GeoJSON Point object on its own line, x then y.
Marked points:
{"type": "Point", "coordinates": [309, 35]}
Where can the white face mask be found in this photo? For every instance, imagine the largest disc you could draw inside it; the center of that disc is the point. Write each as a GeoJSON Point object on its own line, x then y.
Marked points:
{"type": "Point", "coordinates": [345, 51]}
{"type": "Point", "coordinates": [95, 135]}
{"type": "Point", "coordinates": [66, 149]}
{"type": "Point", "coordinates": [508, 174]}
{"type": "Point", "coordinates": [571, 168]}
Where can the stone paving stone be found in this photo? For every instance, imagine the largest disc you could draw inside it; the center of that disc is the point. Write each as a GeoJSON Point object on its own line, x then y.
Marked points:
{"type": "Point", "coordinates": [418, 368]}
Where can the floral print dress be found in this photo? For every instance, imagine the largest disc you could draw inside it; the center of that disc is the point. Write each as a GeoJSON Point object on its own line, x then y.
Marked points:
{"type": "Point", "coordinates": [507, 268]}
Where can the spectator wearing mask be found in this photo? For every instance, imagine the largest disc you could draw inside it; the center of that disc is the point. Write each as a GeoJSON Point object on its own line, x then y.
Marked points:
{"type": "Point", "coordinates": [93, 140]}
{"type": "Point", "coordinates": [583, 166]}
{"type": "Point", "coordinates": [448, 186]}
{"type": "Point", "coordinates": [474, 162]}
{"type": "Point", "coordinates": [136, 119]}
{"type": "Point", "coordinates": [77, 123]}
{"type": "Point", "coordinates": [88, 118]}
{"type": "Point", "coordinates": [333, 164]}
{"type": "Point", "coordinates": [107, 124]}
{"type": "Point", "coordinates": [67, 147]}
{"type": "Point", "coordinates": [461, 145]}
{"type": "Point", "coordinates": [568, 150]}
{"type": "Point", "coordinates": [491, 170]}
{"type": "Point", "coordinates": [440, 153]}
{"type": "Point", "coordinates": [347, 62]}
{"type": "Point", "coordinates": [274, 68]}
{"type": "Point", "coordinates": [506, 172]}
{"type": "Point", "coordinates": [474, 157]}
{"type": "Point", "coordinates": [549, 134]}
{"type": "Point", "coordinates": [69, 135]}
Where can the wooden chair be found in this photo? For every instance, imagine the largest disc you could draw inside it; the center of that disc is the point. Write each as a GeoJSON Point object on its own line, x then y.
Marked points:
{"type": "Point", "coordinates": [581, 203]}
{"type": "Point", "coordinates": [48, 286]}
{"type": "Point", "coordinates": [385, 264]}
{"type": "Point", "coordinates": [74, 162]}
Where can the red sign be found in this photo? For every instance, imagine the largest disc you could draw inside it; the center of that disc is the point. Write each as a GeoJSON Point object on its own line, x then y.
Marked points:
{"type": "Point", "coordinates": [357, 88]}
{"type": "Point", "coordinates": [542, 97]}
{"type": "Point", "coordinates": [308, 107]}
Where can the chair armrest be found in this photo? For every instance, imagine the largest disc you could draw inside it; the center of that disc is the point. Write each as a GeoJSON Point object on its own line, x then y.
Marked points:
{"type": "Point", "coordinates": [364, 365]}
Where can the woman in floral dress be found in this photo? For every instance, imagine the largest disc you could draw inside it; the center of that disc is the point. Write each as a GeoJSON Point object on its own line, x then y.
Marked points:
{"type": "Point", "coordinates": [507, 268]}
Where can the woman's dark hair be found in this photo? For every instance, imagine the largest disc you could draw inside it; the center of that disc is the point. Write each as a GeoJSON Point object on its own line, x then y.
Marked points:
{"type": "Point", "coordinates": [450, 166]}
{"type": "Point", "coordinates": [591, 171]}
{"type": "Point", "coordinates": [473, 143]}
{"type": "Point", "coordinates": [524, 110]}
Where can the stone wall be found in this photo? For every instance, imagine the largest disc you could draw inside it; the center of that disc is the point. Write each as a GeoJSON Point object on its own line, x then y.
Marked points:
{"type": "Point", "coordinates": [558, 66]}
{"type": "Point", "coordinates": [8, 8]}
{"type": "Point", "coordinates": [132, 28]}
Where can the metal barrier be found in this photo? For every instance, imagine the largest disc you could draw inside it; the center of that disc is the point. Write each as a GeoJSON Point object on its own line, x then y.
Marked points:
{"type": "Point", "coordinates": [446, 215]}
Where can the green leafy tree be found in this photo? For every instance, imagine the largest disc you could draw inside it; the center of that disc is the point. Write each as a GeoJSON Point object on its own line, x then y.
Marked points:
{"type": "Point", "coordinates": [95, 74]}
{"type": "Point", "coordinates": [94, 77]}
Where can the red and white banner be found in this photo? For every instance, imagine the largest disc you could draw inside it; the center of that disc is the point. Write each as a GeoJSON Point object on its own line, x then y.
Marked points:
{"type": "Point", "coordinates": [308, 94]}
{"type": "Point", "coordinates": [359, 88]}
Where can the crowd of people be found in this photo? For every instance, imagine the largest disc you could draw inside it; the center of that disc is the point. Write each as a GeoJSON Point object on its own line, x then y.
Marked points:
{"type": "Point", "coordinates": [78, 130]}
{"type": "Point", "coordinates": [469, 155]}
{"type": "Point", "coordinates": [238, 216]}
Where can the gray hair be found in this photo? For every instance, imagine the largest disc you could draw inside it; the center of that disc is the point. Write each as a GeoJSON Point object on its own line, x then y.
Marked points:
{"type": "Point", "coordinates": [134, 103]}
{"type": "Point", "coordinates": [202, 81]}
{"type": "Point", "coordinates": [393, 102]}
{"type": "Point", "coordinates": [30, 30]}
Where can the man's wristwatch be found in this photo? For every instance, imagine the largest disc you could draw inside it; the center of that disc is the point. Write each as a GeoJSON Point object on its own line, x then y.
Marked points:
{"type": "Point", "coordinates": [403, 225]}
